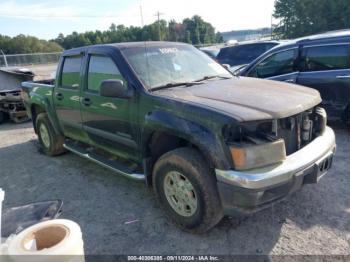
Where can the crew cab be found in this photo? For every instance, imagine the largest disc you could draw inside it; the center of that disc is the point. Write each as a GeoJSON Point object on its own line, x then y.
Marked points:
{"type": "Point", "coordinates": [210, 143]}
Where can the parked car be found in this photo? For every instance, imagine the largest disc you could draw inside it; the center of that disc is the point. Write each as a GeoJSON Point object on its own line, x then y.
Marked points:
{"type": "Point", "coordinates": [320, 61]}
{"type": "Point", "coordinates": [243, 53]}
{"type": "Point", "coordinates": [208, 142]}
{"type": "Point", "coordinates": [210, 51]}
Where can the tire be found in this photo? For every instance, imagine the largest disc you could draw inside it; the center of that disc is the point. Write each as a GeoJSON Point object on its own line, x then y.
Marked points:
{"type": "Point", "coordinates": [50, 143]}
{"type": "Point", "coordinates": [187, 165]}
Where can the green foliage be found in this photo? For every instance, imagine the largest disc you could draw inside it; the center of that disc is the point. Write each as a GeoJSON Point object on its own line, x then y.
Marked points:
{"type": "Point", "coordinates": [192, 30]}
{"type": "Point", "coordinates": [27, 44]}
{"type": "Point", "coordinates": [304, 17]}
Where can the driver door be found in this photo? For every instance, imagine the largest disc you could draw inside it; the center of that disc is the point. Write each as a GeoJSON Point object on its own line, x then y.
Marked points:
{"type": "Point", "coordinates": [107, 120]}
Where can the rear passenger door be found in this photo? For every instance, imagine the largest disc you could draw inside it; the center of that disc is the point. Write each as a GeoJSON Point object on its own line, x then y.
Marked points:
{"type": "Point", "coordinates": [67, 96]}
{"type": "Point", "coordinates": [327, 69]}
{"type": "Point", "coordinates": [279, 66]}
{"type": "Point", "coordinates": [108, 121]}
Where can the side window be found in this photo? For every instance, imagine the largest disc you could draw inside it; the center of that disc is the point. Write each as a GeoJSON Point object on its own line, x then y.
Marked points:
{"type": "Point", "coordinates": [322, 58]}
{"type": "Point", "coordinates": [70, 77]}
{"type": "Point", "coordinates": [277, 64]}
{"type": "Point", "coordinates": [101, 68]}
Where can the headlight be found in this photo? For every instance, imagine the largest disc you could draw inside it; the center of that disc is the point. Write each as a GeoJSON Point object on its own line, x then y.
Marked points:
{"type": "Point", "coordinates": [254, 156]}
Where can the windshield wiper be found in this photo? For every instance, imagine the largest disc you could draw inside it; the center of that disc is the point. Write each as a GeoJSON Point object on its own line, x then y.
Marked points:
{"type": "Point", "coordinates": [170, 85]}
{"type": "Point", "coordinates": [211, 77]}
{"type": "Point", "coordinates": [191, 83]}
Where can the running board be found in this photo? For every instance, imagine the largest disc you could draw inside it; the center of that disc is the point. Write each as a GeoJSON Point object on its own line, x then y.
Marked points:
{"type": "Point", "coordinates": [112, 165]}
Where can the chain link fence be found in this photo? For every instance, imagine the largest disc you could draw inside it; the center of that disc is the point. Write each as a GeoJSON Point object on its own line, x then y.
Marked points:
{"type": "Point", "coordinates": [29, 59]}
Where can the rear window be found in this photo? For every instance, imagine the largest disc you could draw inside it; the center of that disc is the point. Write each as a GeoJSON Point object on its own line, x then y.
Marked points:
{"type": "Point", "coordinates": [71, 72]}
{"type": "Point", "coordinates": [322, 58]}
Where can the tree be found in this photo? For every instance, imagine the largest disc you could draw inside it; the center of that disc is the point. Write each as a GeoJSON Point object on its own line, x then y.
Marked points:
{"type": "Point", "coordinates": [27, 44]}
{"type": "Point", "coordinates": [304, 17]}
{"type": "Point", "coordinates": [199, 30]}
{"type": "Point", "coordinates": [176, 31]}
{"type": "Point", "coordinates": [192, 30]}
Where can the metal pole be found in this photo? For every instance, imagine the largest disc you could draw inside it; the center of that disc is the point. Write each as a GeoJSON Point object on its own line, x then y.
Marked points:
{"type": "Point", "coordinates": [6, 65]}
{"type": "Point", "coordinates": [271, 26]}
{"type": "Point", "coordinates": [158, 14]}
{"type": "Point", "coordinates": [160, 37]}
{"type": "Point", "coordinates": [141, 14]}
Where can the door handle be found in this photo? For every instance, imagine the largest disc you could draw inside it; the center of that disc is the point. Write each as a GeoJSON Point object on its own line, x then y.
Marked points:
{"type": "Point", "coordinates": [59, 96]}
{"type": "Point", "coordinates": [344, 77]}
{"type": "Point", "coordinates": [87, 101]}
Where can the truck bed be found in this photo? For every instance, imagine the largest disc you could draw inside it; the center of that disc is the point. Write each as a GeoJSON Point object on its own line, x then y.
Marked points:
{"type": "Point", "coordinates": [47, 83]}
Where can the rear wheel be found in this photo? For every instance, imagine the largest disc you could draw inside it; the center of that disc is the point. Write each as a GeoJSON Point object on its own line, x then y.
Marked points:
{"type": "Point", "coordinates": [50, 142]}
{"type": "Point", "coordinates": [187, 190]}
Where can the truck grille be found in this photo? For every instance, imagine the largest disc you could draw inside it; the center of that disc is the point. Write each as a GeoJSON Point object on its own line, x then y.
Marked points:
{"type": "Point", "coordinates": [299, 130]}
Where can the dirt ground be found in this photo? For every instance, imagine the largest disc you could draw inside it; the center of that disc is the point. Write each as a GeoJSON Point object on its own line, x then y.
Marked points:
{"type": "Point", "coordinates": [119, 216]}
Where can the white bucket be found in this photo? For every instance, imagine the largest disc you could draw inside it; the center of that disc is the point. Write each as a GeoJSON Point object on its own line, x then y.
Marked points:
{"type": "Point", "coordinates": [51, 241]}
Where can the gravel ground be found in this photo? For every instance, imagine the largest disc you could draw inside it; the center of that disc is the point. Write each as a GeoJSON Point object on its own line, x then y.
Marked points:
{"type": "Point", "coordinates": [119, 216]}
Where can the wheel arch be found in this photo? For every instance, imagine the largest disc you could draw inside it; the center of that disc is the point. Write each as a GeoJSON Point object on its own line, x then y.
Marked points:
{"type": "Point", "coordinates": [165, 132]}
{"type": "Point", "coordinates": [38, 107]}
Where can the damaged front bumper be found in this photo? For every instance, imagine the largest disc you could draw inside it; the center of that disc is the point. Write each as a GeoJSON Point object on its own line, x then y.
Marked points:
{"type": "Point", "coordinates": [252, 190]}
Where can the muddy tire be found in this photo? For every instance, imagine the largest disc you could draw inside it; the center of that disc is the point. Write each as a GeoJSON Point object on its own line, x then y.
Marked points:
{"type": "Point", "coordinates": [187, 190]}
{"type": "Point", "coordinates": [50, 143]}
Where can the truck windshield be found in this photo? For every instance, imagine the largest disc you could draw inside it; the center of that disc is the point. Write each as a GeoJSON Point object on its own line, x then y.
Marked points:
{"type": "Point", "coordinates": [158, 66]}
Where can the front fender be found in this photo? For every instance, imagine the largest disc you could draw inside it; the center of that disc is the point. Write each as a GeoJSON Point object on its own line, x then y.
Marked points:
{"type": "Point", "coordinates": [206, 140]}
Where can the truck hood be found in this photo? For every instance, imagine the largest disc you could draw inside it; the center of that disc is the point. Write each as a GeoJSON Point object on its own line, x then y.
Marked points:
{"type": "Point", "coordinates": [248, 99]}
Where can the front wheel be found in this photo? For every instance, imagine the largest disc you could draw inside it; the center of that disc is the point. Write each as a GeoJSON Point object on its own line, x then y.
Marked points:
{"type": "Point", "coordinates": [50, 143]}
{"type": "Point", "coordinates": [187, 190]}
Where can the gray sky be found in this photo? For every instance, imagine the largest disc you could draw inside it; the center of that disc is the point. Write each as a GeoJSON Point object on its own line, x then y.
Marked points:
{"type": "Point", "coordinates": [47, 18]}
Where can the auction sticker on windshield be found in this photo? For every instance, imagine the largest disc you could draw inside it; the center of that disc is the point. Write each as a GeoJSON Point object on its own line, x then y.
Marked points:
{"type": "Point", "coordinates": [168, 50]}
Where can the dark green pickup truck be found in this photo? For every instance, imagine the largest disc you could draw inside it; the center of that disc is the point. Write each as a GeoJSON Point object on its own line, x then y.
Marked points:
{"type": "Point", "coordinates": [208, 142]}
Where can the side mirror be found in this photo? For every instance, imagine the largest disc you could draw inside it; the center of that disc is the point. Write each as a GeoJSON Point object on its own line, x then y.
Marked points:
{"type": "Point", "coordinates": [114, 88]}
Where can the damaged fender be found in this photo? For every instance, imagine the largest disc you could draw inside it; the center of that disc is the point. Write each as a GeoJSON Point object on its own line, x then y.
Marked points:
{"type": "Point", "coordinates": [207, 142]}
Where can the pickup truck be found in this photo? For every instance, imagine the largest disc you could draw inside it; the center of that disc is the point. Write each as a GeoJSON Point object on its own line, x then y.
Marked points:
{"type": "Point", "coordinates": [209, 143]}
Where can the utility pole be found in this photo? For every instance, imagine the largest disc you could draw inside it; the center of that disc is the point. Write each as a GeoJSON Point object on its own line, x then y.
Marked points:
{"type": "Point", "coordinates": [141, 14]}
{"type": "Point", "coordinates": [158, 14]}
{"type": "Point", "coordinates": [271, 27]}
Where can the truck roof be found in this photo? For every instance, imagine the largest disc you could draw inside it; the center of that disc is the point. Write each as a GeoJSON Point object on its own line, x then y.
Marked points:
{"type": "Point", "coordinates": [125, 45]}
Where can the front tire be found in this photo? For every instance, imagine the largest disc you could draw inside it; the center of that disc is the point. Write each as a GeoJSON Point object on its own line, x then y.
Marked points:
{"type": "Point", "coordinates": [187, 190]}
{"type": "Point", "coordinates": [50, 143]}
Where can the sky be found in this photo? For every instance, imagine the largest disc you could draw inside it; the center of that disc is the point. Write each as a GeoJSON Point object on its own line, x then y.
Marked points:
{"type": "Point", "coordinates": [46, 19]}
